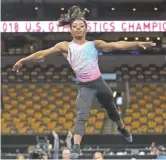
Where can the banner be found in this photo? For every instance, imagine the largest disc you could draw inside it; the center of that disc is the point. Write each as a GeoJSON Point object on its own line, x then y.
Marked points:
{"type": "Point", "coordinates": [93, 26]}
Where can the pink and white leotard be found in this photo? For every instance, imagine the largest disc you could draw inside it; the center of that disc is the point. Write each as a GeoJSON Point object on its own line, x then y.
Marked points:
{"type": "Point", "coordinates": [84, 61]}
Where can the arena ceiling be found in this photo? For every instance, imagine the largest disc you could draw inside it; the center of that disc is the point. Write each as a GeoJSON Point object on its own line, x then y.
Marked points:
{"type": "Point", "coordinates": [81, 1]}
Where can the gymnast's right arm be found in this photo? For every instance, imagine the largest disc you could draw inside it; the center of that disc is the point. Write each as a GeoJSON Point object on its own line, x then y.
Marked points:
{"type": "Point", "coordinates": [38, 56]}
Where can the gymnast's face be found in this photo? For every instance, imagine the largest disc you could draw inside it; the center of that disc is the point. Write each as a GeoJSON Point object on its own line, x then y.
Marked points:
{"type": "Point", "coordinates": [78, 29]}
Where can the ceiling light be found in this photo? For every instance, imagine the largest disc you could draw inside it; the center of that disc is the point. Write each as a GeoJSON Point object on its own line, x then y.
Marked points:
{"type": "Point", "coordinates": [155, 8]}
{"type": "Point", "coordinates": [147, 38]}
{"type": "Point", "coordinates": [36, 8]}
{"type": "Point", "coordinates": [134, 9]}
{"type": "Point", "coordinates": [136, 38]}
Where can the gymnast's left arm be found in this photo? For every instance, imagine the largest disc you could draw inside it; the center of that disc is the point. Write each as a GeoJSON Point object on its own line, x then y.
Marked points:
{"type": "Point", "coordinates": [121, 45]}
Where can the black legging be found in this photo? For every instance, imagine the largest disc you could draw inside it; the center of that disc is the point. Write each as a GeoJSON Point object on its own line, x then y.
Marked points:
{"type": "Point", "coordinates": [86, 93]}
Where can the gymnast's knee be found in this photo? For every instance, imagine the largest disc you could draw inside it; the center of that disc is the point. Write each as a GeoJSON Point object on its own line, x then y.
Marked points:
{"type": "Point", "coordinates": [82, 116]}
{"type": "Point", "coordinates": [80, 123]}
{"type": "Point", "coordinates": [114, 115]}
{"type": "Point", "coordinates": [83, 113]}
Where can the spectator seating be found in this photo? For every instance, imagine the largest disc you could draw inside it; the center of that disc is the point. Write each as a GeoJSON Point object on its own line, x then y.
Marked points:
{"type": "Point", "coordinates": [41, 108]}
{"type": "Point", "coordinates": [49, 73]}
{"type": "Point", "coordinates": [147, 113]}
{"type": "Point", "coordinates": [141, 73]}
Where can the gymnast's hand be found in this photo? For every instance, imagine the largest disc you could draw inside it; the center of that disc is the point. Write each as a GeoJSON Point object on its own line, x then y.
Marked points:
{"type": "Point", "coordinates": [144, 45]}
{"type": "Point", "coordinates": [17, 66]}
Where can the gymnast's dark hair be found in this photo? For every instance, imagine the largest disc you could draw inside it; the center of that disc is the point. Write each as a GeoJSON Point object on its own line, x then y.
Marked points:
{"type": "Point", "coordinates": [74, 13]}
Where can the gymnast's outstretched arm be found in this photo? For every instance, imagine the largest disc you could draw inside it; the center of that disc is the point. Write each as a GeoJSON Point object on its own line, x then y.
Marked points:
{"type": "Point", "coordinates": [104, 46]}
{"type": "Point", "coordinates": [40, 55]}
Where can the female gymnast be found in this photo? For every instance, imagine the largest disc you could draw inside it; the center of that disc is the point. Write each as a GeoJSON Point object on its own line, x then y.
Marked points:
{"type": "Point", "coordinates": [82, 56]}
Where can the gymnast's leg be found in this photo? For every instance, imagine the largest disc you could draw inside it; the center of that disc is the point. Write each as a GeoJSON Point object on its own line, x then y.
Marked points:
{"type": "Point", "coordinates": [105, 97]}
{"type": "Point", "coordinates": [83, 103]}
